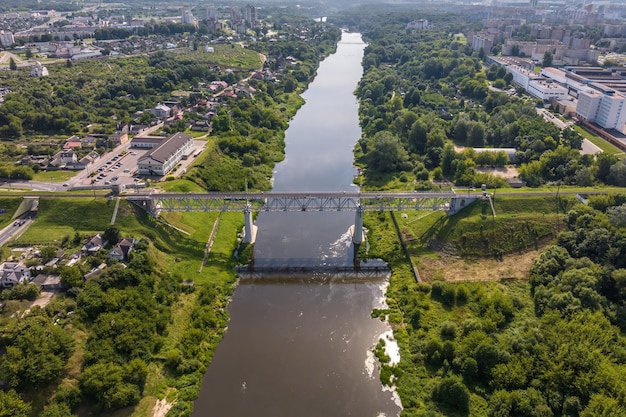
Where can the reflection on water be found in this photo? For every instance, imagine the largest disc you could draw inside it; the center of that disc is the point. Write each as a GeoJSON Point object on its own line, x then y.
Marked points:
{"type": "Point", "coordinates": [300, 343]}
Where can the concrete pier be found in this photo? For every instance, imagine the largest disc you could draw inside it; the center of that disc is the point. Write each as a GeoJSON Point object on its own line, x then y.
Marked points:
{"type": "Point", "coordinates": [357, 229]}
{"type": "Point", "coordinates": [249, 229]}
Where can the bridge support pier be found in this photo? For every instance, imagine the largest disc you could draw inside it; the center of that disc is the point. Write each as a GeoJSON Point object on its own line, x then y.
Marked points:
{"type": "Point", "coordinates": [457, 203]}
{"type": "Point", "coordinates": [357, 229]}
{"type": "Point", "coordinates": [249, 229]}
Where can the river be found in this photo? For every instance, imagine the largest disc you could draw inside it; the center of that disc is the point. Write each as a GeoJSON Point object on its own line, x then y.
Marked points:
{"type": "Point", "coordinates": [303, 347]}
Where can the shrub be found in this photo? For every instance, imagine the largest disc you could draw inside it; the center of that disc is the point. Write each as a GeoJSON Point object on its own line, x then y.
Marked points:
{"type": "Point", "coordinates": [448, 331]}
{"type": "Point", "coordinates": [453, 394]}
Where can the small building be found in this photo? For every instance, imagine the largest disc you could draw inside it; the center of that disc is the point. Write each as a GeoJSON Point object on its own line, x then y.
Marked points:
{"type": "Point", "coordinates": [118, 138]}
{"type": "Point", "coordinates": [122, 249]}
{"type": "Point", "coordinates": [161, 111]}
{"type": "Point", "coordinates": [13, 273]}
{"type": "Point", "coordinates": [48, 282]}
{"type": "Point", "coordinates": [95, 271]}
{"type": "Point", "coordinates": [38, 70]}
{"type": "Point", "coordinates": [93, 245]}
{"type": "Point", "coordinates": [163, 158]}
{"type": "Point", "coordinates": [146, 142]}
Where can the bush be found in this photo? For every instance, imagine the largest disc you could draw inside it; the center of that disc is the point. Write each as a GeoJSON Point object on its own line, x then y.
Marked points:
{"type": "Point", "coordinates": [448, 331]}
{"type": "Point", "coordinates": [449, 295]}
{"type": "Point", "coordinates": [453, 394]}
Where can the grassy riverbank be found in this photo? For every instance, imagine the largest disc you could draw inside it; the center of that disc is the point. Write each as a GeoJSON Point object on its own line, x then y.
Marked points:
{"type": "Point", "coordinates": [474, 339]}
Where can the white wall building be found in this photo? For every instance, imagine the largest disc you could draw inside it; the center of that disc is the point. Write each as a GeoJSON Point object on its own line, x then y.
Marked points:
{"type": "Point", "coordinates": [6, 38]}
{"type": "Point", "coordinates": [38, 70]}
{"type": "Point", "coordinates": [546, 89]}
{"type": "Point", "coordinates": [164, 157]}
{"type": "Point", "coordinates": [605, 107]}
{"type": "Point", "coordinates": [13, 273]}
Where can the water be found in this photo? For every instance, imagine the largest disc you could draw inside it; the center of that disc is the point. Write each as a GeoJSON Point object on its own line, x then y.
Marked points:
{"type": "Point", "coordinates": [304, 347]}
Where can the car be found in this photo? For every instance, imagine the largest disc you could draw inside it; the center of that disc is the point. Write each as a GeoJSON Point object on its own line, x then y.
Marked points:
{"type": "Point", "coordinates": [66, 185]}
{"type": "Point", "coordinates": [107, 183]}
{"type": "Point", "coordinates": [126, 171]}
{"type": "Point", "coordinates": [109, 162]}
{"type": "Point", "coordinates": [16, 224]}
{"type": "Point", "coordinates": [103, 174]}
{"type": "Point", "coordinates": [115, 178]}
{"type": "Point", "coordinates": [133, 153]}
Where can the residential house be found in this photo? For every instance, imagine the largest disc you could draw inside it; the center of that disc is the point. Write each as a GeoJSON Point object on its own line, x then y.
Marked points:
{"type": "Point", "coordinates": [73, 143]}
{"type": "Point", "coordinates": [93, 245]}
{"type": "Point", "coordinates": [86, 160]}
{"type": "Point", "coordinates": [122, 249]}
{"type": "Point", "coordinates": [48, 282]}
{"type": "Point", "coordinates": [63, 159]}
{"type": "Point", "coordinates": [161, 111]}
{"type": "Point", "coordinates": [118, 138]}
{"type": "Point", "coordinates": [12, 273]}
{"type": "Point", "coordinates": [201, 126]}
{"type": "Point", "coordinates": [137, 129]}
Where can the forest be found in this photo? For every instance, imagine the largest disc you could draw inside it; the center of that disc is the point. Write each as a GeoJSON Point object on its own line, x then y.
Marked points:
{"type": "Point", "coordinates": [551, 344]}
{"type": "Point", "coordinates": [426, 95]}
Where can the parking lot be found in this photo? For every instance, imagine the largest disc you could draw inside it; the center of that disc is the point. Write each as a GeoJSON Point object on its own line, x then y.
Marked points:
{"type": "Point", "coordinates": [120, 167]}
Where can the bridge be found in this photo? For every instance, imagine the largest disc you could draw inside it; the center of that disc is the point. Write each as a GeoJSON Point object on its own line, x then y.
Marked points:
{"type": "Point", "coordinates": [357, 202]}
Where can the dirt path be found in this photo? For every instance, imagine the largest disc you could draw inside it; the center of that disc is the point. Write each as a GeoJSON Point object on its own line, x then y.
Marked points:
{"type": "Point", "coordinates": [161, 408]}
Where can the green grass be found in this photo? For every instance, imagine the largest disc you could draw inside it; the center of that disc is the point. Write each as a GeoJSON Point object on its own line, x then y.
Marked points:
{"type": "Point", "coordinates": [228, 56]}
{"type": "Point", "coordinates": [9, 205]}
{"type": "Point", "coordinates": [597, 140]}
{"type": "Point", "coordinates": [416, 379]}
{"type": "Point", "coordinates": [53, 176]}
{"type": "Point", "coordinates": [181, 186]}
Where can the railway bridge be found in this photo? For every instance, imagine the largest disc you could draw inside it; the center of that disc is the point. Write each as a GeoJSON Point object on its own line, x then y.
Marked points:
{"type": "Point", "coordinates": [249, 202]}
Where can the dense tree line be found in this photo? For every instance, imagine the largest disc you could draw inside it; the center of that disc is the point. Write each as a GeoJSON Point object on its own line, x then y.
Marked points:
{"type": "Point", "coordinates": [553, 347]}
{"type": "Point", "coordinates": [124, 312]}
{"type": "Point", "coordinates": [249, 131]}
{"type": "Point", "coordinates": [429, 90]}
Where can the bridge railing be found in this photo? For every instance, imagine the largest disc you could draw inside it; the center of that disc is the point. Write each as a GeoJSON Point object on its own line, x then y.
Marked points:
{"type": "Point", "coordinates": [276, 202]}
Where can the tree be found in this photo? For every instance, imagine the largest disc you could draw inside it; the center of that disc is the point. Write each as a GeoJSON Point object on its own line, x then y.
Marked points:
{"type": "Point", "coordinates": [57, 410]}
{"type": "Point", "coordinates": [12, 64]}
{"type": "Point", "coordinates": [386, 153]}
{"type": "Point", "coordinates": [452, 393]}
{"type": "Point", "coordinates": [71, 276]}
{"type": "Point", "coordinates": [111, 234]}
{"type": "Point", "coordinates": [11, 405]}
{"type": "Point", "coordinates": [37, 354]}
{"type": "Point", "coordinates": [547, 59]}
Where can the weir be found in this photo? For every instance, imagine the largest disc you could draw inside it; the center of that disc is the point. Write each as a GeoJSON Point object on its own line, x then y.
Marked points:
{"type": "Point", "coordinates": [247, 203]}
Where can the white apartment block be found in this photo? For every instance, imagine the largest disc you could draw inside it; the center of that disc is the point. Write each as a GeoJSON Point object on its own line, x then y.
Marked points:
{"type": "Point", "coordinates": [6, 38]}
{"type": "Point", "coordinates": [602, 106]}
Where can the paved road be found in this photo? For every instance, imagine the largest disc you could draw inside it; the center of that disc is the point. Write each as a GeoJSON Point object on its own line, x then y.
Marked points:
{"type": "Point", "coordinates": [16, 228]}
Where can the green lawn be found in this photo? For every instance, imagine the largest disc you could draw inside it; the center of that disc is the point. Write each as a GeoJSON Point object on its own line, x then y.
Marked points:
{"type": "Point", "coordinates": [598, 141]}
{"type": "Point", "coordinates": [53, 176]}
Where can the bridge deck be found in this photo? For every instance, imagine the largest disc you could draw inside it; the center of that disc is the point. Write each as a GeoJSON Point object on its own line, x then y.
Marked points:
{"type": "Point", "coordinates": [276, 202]}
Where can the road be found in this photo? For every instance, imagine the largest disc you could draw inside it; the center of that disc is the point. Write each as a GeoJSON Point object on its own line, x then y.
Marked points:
{"type": "Point", "coordinates": [588, 148]}
{"type": "Point", "coordinates": [16, 228]}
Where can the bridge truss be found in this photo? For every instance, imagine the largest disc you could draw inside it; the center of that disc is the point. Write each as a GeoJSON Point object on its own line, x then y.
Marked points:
{"type": "Point", "coordinates": [277, 202]}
